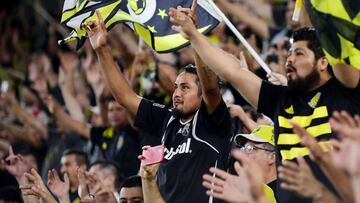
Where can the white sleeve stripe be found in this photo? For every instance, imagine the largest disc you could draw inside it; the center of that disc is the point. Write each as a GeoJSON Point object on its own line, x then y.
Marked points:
{"type": "Point", "coordinates": [197, 138]}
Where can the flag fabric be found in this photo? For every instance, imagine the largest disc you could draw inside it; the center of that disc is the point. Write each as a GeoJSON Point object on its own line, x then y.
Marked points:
{"type": "Point", "coordinates": [338, 26]}
{"type": "Point", "coordinates": [147, 18]}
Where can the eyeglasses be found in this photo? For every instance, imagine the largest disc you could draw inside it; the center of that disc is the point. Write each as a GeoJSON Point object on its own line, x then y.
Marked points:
{"type": "Point", "coordinates": [249, 148]}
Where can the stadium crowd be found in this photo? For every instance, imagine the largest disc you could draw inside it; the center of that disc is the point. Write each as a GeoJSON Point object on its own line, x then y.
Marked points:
{"type": "Point", "coordinates": [75, 126]}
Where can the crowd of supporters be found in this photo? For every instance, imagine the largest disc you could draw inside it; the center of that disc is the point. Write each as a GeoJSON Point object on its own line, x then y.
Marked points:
{"type": "Point", "coordinates": [73, 123]}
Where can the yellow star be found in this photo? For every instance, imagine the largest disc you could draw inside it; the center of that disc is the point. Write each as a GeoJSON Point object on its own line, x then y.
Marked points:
{"type": "Point", "coordinates": [162, 13]}
{"type": "Point", "coordinates": [152, 28]}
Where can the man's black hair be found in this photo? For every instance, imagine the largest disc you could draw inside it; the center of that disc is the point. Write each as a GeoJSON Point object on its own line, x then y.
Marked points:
{"type": "Point", "coordinates": [132, 181]}
{"type": "Point", "coordinates": [313, 43]}
{"type": "Point", "coordinates": [190, 68]}
{"type": "Point", "coordinates": [110, 167]}
{"type": "Point", "coordinates": [309, 34]}
{"type": "Point", "coordinates": [81, 156]}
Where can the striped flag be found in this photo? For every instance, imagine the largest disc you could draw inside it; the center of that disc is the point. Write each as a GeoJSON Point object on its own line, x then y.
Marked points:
{"type": "Point", "coordinates": [338, 26]}
{"type": "Point", "coordinates": [147, 18]}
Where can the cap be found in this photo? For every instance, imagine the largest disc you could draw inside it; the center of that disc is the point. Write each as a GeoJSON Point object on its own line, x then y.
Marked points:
{"type": "Point", "coordinates": [263, 133]}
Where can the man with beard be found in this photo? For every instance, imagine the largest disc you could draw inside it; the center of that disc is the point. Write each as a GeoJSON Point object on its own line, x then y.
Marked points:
{"type": "Point", "coordinates": [195, 132]}
{"type": "Point", "coordinates": [309, 100]}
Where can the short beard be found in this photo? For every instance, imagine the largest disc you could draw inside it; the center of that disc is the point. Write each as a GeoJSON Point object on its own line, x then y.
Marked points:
{"type": "Point", "coordinates": [305, 84]}
{"type": "Point", "coordinates": [180, 114]}
{"type": "Point", "coordinates": [176, 113]}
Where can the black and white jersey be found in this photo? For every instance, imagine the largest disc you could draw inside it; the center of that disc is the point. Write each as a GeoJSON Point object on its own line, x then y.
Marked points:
{"type": "Point", "coordinates": [191, 148]}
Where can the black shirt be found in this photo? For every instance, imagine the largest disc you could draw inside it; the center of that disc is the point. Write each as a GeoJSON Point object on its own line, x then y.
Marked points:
{"type": "Point", "coordinates": [74, 197]}
{"type": "Point", "coordinates": [310, 110]}
{"type": "Point", "coordinates": [121, 146]}
{"type": "Point", "coordinates": [191, 148]}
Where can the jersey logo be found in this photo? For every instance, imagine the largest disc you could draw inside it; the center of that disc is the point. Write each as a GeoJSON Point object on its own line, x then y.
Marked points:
{"type": "Point", "coordinates": [290, 110]}
{"type": "Point", "coordinates": [184, 148]}
{"type": "Point", "coordinates": [185, 130]}
{"type": "Point", "coordinates": [313, 102]}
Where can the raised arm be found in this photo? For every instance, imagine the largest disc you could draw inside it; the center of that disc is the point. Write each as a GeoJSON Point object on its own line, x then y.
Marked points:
{"type": "Point", "coordinates": [148, 179]}
{"type": "Point", "coordinates": [25, 116]}
{"type": "Point", "coordinates": [69, 123]}
{"type": "Point", "coordinates": [246, 16]}
{"type": "Point", "coordinates": [208, 79]}
{"type": "Point", "coordinates": [209, 85]}
{"type": "Point", "coordinates": [167, 77]}
{"type": "Point", "coordinates": [222, 63]}
{"type": "Point", "coordinates": [68, 92]}
{"type": "Point", "coordinates": [347, 75]}
{"type": "Point", "coordinates": [119, 86]}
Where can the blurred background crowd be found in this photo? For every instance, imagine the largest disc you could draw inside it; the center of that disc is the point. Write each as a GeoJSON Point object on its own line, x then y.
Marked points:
{"type": "Point", "coordinates": [60, 117]}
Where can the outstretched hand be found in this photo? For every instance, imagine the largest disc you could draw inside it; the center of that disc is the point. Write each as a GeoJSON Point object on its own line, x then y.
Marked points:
{"type": "Point", "coordinates": [184, 20]}
{"type": "Point", "coordinates": [96, 31]}
{"type": "Point", "coordinates": [247, 186]}
{"type": "Point", "coordinates": [345, 125]}
{"type": "Point", "coordinates": [36, 187]}
{"type": "Point", "coordinates": [15, 164]}
{"type": "Point", "coordinates": [59, 188]}
{"type": "Point", "coordinates": [148, 172]}
{"type": "Point", "coordinates": [299, 178]}
{"type": "Point", "coordinates": [277, 79]}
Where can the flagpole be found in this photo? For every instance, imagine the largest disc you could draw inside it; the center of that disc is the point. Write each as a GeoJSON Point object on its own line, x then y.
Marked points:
{"type": "Point", "coordinates": [240, 37]}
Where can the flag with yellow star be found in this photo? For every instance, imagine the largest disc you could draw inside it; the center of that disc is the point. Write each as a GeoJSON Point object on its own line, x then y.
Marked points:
{"type": "Point", "coordinates": [147, 18]}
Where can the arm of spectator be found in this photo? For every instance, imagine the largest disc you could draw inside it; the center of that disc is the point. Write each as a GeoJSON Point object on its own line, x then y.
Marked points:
{"type": "Point", "coordinates": [103, 105]}
{"type": "Point", "coordinates": [68, 92]}
{"type": "Point", "coordinates": [148, 179]}
{"type": "Point", "coordinates": [115, 79]}
{"type": "Point", "coordinates": [298, 178]}
{"type": "Point", "coordinates": [50, 76]}
{"type": "Point", "coordinates": [25, 116]}
{"type": "Point", "coordinates": [59, 188]}
{"type": "Point", "coordinates": [36, 188]}
{"type": "Point", "coordinates": [237, 111]}
{"type": "Point", "coordinates": [93, 75]}
{"type": "Point", "coordinates": [261, 8]}
{"type": "Point", "coordinates": [208, 79]}
{"type": "Point", "coordinates": [167, 76]}
{"type": "Point", "coordinates": [246, 16]}
{"type": "Point", "coordinates": [138, 66]}
{"type": "Point", "coordinates": [128, 39]}
{"type": "Point", "coordinates": [338, 178]}
{"type": "Point", "coordinates": [69, 123]}
{"type": "Point", "coordinates": [15, 74]}
{"type": "Point", "coordinates": [224, 64]}
{"type": "Point", "coordinates": [27, 134]}
{"type": "Point", "coordinates": [347, 75]}
{"type": "Point", "coordinates": [68, 65]}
